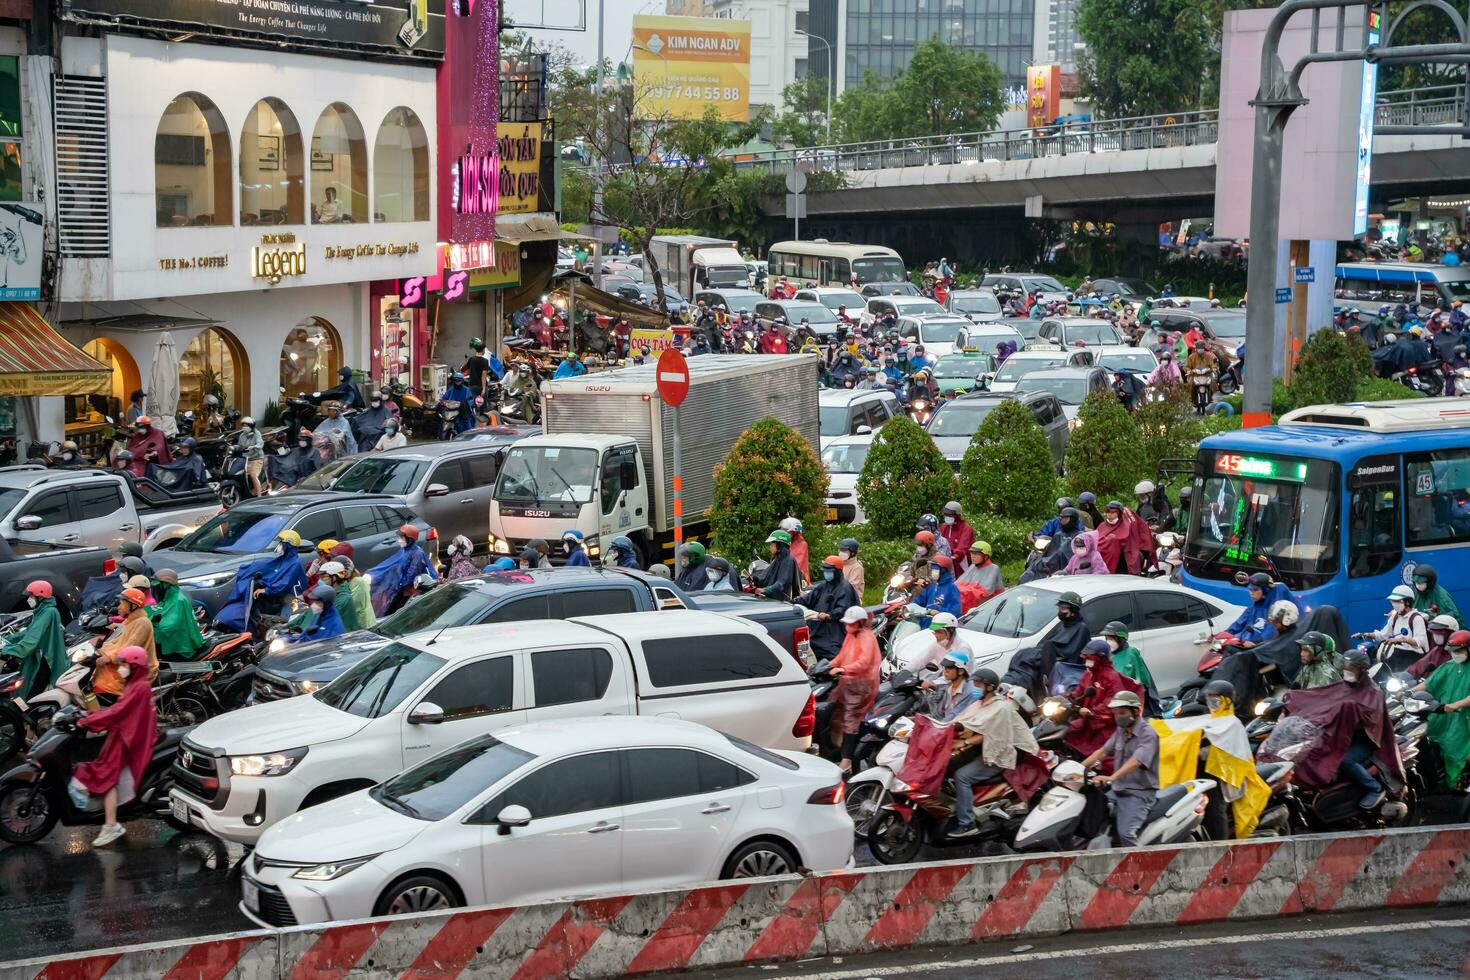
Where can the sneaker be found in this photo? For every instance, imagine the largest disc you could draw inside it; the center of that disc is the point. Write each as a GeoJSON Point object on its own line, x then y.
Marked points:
{"type": "Point", "coordinates": [110, 833]}
{"type": "Point", "coordinates": [1371, 800]}
{"type": "Point", "coordinates": [961, 831]}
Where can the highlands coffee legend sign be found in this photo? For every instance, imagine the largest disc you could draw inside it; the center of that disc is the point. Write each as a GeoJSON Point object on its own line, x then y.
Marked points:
{"type": "Point", "coordinates": [411, 29]}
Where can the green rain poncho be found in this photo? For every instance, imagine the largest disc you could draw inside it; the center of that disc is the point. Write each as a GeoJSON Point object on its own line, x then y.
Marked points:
{"type": "Point", "coordinates": [175, 630]}
{"type": "Point", "coordinates": [363, 599]}
{"type": "Point", "coordinates": [1129, 662]}
{"type": "Point", "coordinates": [1434, 600]}
{"type": "Point", "coordinates": [1450, 682]}
{"type": "Point", "coordinates": [42, 643]}
{"type": "Point", "coordinates": [346, 604]}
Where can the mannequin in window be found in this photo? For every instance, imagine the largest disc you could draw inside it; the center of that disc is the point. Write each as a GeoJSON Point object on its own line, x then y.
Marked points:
{"type": "Point", "coordinates": [331, 210]}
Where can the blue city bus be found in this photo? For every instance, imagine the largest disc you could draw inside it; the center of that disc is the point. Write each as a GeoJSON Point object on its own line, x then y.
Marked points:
{"type": "Point", "coordinates": [1339, 502]}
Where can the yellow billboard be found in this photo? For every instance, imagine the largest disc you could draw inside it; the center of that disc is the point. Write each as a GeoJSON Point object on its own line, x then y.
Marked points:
{"type": "Point", "coordinates": [683, 64]}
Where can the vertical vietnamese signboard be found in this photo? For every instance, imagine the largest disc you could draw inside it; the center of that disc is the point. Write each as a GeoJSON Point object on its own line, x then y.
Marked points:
{"type": "Point", "coordinates": [1367, 108]}
{"type": "Point", "coordinates": [1043, 95]}
{"type": "Point", "coordinates": [468, 170]}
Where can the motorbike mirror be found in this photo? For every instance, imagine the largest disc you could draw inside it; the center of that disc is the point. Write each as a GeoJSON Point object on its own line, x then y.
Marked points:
{"type": "Point", "coordinates": [30, 522]}
{"type": "Point", "coordinates": [429, 713]}
{"type": "Point", "coordinates": [1241, 578]}
{"type": "Point", "coordinates": [436, 490]}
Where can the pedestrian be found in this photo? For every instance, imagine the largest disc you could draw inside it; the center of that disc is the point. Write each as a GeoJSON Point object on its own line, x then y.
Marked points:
{"type": "Point", "coordinates": [135, 407]}
{"type": "Point", "coordinates": [856, 668]}
{"type": "Point", "coordinates": [1134, 783]}
{"type": "Point", "coordinates": [131, 724]}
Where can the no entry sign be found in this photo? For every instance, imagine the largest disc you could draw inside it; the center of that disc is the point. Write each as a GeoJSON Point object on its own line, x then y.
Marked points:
{"type": "Point", "coordinates": [673, 377]}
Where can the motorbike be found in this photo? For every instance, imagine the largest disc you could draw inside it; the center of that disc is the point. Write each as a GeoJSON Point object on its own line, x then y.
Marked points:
{"type": "Point", "coordinates": [1229, 379]}
{"type": "Point", "coordinates": [297, 413]}
{"type": "Point", "coordinates": [34, 796]}
{"type": "Point", "coordinates": [1424, 378]}
{"type": "Point", "coordinates": [822, 684]}
{"type": "Point", "coordinates": [448, 416]}
{"type": "Point", "coordinates": [1071, 815]}
{"type": "Point", "coordinates": [234, 486]}
{"type": "Point", "coordinates": [1201, 388]}
{"type": "Point", "coordinates": [920, 409]}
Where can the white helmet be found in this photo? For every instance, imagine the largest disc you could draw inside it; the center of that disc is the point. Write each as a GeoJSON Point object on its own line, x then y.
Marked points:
{"type": "Point", "coordinates": [332, 568]}
{"type": "Point", "coordinates": [944, 621]}
{"type": "Point", "coordinates": [1444, 621]}
{"type": "Point", "coordinates": [1144, 488]}
{"type": "Point", "coordinates": [1402, 593]}
{"type": "Point", "coordinates": [247, 420]}
{"type": "Point", "coordinates": [790, 525]}
{"type": "Point", "coordinates": [1284, 610]}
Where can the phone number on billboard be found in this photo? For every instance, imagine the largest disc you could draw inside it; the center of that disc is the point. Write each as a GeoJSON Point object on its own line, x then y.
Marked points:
{"type": "Point", "coordinates": [709, 93]}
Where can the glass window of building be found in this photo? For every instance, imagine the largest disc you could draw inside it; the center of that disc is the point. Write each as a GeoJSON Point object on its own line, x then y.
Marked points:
{"type": "Point", "coordinates": [272, 167]}
{"type": "Point", "coordinates": [310, 357]}
{"type": "Point", "coordinates": [192, 184]}
{"type": "Point", "coordinates": [339, 180]}
{"type": "Point", "coordinates": [401, 168]}
{"type": "Point", "coordinates": [11, 130]}
{"type": "Point", "coordinates": [214, 363]}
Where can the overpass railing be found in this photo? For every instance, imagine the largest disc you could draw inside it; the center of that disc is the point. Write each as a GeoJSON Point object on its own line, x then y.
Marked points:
{"type": "Point", "coordinates": [1425, 106]}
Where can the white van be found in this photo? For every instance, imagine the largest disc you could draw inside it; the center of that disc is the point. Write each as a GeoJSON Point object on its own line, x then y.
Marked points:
{"type": "Point", "coordinates": [241, 772]}
{"type": "Point", "coordinates": [1367, 286]}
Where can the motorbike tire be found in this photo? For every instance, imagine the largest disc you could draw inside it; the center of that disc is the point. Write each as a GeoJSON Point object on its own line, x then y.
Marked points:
{"type": "Point", "coordinates": [1227, 384]}
{"type": "Point", "coordinates": [863, 804]}
{"type": "Point", "coordinates": [894, 840]}
{"type": "Point", "coordinates": [12, 734]}
{"type": "Point", "coordinates": [29, 801]}
{"type": "Point", "coordinates": [229, 495]}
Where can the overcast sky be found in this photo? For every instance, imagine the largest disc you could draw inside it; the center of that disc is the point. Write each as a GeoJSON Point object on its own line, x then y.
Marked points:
{"type": "Point", "coordinates": [618, 21]}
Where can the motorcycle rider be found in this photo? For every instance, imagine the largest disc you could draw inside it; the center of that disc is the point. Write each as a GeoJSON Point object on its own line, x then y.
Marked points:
{"type": "Point", "coordinates": [1058, 550]}
{"type": "Point", "coordinates": [856, 668]}
{"type": "Point", "coordinates": [689, 567]}
{"type": "Point", "coordinates": [982, 571]}
{"type": "Point", "coordinates": [571, 366]}
{"type": "Point", "coordinates": [41, 648]}
{"type": "Point", "coordinates": [940, 595]}
{"type": "Point", "coordinates": [1123, 540]}
{"type": "Point", "coordinates": [956, 532]}
{"type": "Point", "coordinates": [131, 724]}
{"type": "Point", "coordinates": [1153, 506]}
{"type": "Point", "coordinates": [391, 437]}
{"type": "Point", "coordinates": [175, 627]}
{"type": "Point", "coordinates": [719, 575]}
{"type": "Point", "coordinates": [620, 553]}
{"type": "Point", "coordinates": [300, 462]}
{"type": "Point", "coordinates": [1366, 738]}
{"type": "Point", "coordinates": [780, 580]}
{"type": "Point", "coordinates": [1320, 663]}
{"type": "Point", "coordinates": [1254, 624]}
{"type": "Point", "coordinates": [992, 722]}
{"type": "Point", "coordinates": [458, 391]}
{"type": "Point", "coordinates": [1202, 368]}
{"type": "Point", "coordinates": [147, 445]}
{"type": "Point", "coordinates": [930, 523]}
{"type": "Point", "coordinates": [945, 629]}
{"type": "Point", "coordinates": [576, 551]}
{"type": "Point", "coordinates": [394, 579]}
{"type": "Point", "coordinates": [946, 698]}
{"type": "Point", "coordinates": [1054, 525]}
{"type": "Point", "coordinates": [135, 630]}
{"type": "Point", "coordinates": [188, 469]}
{"type": "Point", "coordinates": [367, 425]}
{"type": "Point", "coordinates": [344, 391]}
{"type": "Point", "coordinates": [1457, 361]}
{"type": "Point", "coordinates": [827, 600]}
{"type": "Point", "coordinates": [1134, 783]}
{"type": "Point", "coordinates": [266, 584]}
{"type": "Point", "coordinates": [1430, 597]}
{"type": "Point", "coordinates": [321, 620]}
{"type": "Point", "coordinates": [1449, 728]}
{"type": "Point", "coordinates": [1181, 513]}
{"type": "Point", "coordinates": [1441, 629]}
{"type": "Point", "coordinates": [334, 576]}
{"type": "Point", "coordinates": [800, 550]}
{"type": "Point", "coordinates": [852, 566]}
{"type": "Point", "coordinates": [460, 555]}
{"type": "Point", "coordinates": [250, 441]}
{"type": "Point", "coordinates": [1093, 725]}
{"type": "Point", "coordinates": [70, 457]}
{"type": "Point", "coordinates": [1406, 629]}
{"type": "Point", "coordinates": [1167, 372]}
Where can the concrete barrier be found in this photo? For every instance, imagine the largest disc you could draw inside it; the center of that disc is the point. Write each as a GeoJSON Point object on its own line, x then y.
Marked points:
{"type": "Point", "coordinates": [775, 919]}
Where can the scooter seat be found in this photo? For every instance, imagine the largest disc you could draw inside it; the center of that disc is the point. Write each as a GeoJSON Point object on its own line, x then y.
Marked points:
{"type": "Point", "coordinates": [1168, 796]}
{"type": "Point", "coordinates": [1271, 770]}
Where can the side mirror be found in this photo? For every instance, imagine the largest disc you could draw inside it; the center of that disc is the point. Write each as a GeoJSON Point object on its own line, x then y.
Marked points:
{"type": "Point", "coordinates": [863, 430]}
{"type": "Point", "coordinates": [30, 522]}
{"type": "Point", "coordinates": [514, 815]}
{"type": "Point", "coordinates": [429, 713]}
{"type": "Point", "coordinates": [436, 490]}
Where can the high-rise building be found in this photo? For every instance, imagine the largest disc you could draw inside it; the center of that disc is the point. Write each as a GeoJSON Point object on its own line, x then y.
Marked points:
{"type": "Point", "coordinates": [1057, 40]}
{"type": "Point", "coordinates": [778, 51]}
{"type": "Point", "coordinates": [688, 8]}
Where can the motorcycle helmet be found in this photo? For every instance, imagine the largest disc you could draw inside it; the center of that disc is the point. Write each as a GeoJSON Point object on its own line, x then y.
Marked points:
{"type": "Point", "coordinates": [944, 562]}
{"type": "Point", "coordinates": [981, 547]}
{"type": "Point", "coordinates": [849, 545]}
{"type": "Point", "coordinates": [138, 582]}
{"type": "Point", "coordinates": [1144, 488]}
{"type": "Point", "coordinates": [39, 589]}
{"type": "Point", "coordinates": [1444, 622]}
{"type": "Point", "coordinates": [123, 456]}
{"type": "Point", "coordinates": [133, 566]}
{"type": "Point", "coordinates": [927, 522]}
{"type": "Point", "coordinates": [1316, 643]}
{"type": "Point", "coordinates": [1087, 499]}
{"type": "Point", "coordinates": [854, 614]}
{"type": "Point", "coordinates": [790, 525]}
{"type": "Point", "coordinates": [1185, 493]}
{"type": "Point", "coordinates": [953, 507]}
{"type": "Point", "coordinates": [1071, 599]}
{"type": "Point", "coordinates": [456, 377]}
{"type": "Point", "coordinates": [69, 446]}
{"type": "Point", "coordinates": [1063, 503]}
{"type": "Point", "coordinates": [323, 593]}
{"type": "Point", "coordinates": [956, 660]}
{"type": "Point", "coordinates": [133, 656]}
{"type": "Point", "coordinates": [1260, 580]}
{"type": "Point", "coordinates": [1286, 611]}
{"type": "Point", "coordinates": [925, 538]}
{"type": "Point", "coordinates": [409, 531]}
{"type": "Point", "coordinates": [1098, 648]}
{"type": "Point", "coordinates": [247, 421]}
{"type": "Point", "coordinates": [1219, 689]}
{"type": "Point", "coordinates": [345, 373]}
{"type": "Point", "coordinates": [944, 621]}
{"type": "Point", "coordinates": [1459, 640]}
{"type": "Point", "coordinates": [778, 537]}
{"type": "Point", "coordinates": [504, 565]}
{"type": "Point", "coordinates": [332, 568]}
{"type": "Point", "coordinates": [1401, 593]}
{"type": "Point", "coordinates": [1116, 629]}
{"type": "Point", "coordinates": [166, 575]}
{"type": "Point", "coordinates": [1358, 659]}
{"type": "Point", "coordinates": [134, 598]}
{"type": "Point", "coordinates": [289, 537]}
{"type": "Point", "coordinates": [188, 443]}
{"type": "Point", "coordinates": [985, 676]}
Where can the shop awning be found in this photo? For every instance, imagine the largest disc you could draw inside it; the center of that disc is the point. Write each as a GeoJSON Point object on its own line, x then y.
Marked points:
{"type": "Point", "coordinates": [589, 297]}
{"type": "Point", "coordinates": [36, 360]}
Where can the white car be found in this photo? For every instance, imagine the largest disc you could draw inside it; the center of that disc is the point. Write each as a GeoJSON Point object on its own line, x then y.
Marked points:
{"type": "Point", "coordinates": [1170, 625]}
{"type": "Point", "coordinates": [939, 333]}
{"type": "Point", "coordinates": [834, 298]}
{"type": "Point", "coordinates": [1023, 362]}
{"type": "Point", "coordinates": [1098, 336]}
{"type": "Point", "coordinates": [551, 810]}
{"type": "Point", "coordinates": [844, 460]}
{"type": "Point", "coordinates": [881, 306]}
{"type": "Point", "coordinates": [853, 412]}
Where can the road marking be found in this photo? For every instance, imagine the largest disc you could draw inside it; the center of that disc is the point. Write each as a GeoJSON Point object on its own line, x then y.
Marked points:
{"type": "Point", "coordinates": [979, 961]}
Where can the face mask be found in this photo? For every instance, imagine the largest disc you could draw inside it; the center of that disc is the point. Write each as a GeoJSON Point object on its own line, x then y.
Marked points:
{"type": "Point", "coordinates": [1212, 701]}
{"type": "Point", "coordinates": [1112, 518]}
{"type": "Point", "coordinates": [1398, 607]}
{"type": "Point", "coordinates": [280, 549]}
{"type": "Point", "coordinates": [1114, 645]}
{"type": "Point", "coordinates": [934, 575]}
{"type": "Point", "coordinates": [712, 574]}
{"type": "Point", "coordinates": [1090, 663]}
{"type": "Point", "coordinates": [1459, 656]}
{"type": "Point", "coordinates": [1126, 723]}
{"type": "Point", "coordinates": [844, 555]}
{"type": "Point", "coordinates": [452, 550]}
{"type": "Point", "coordinates": [318, 608]}
{"type": "Point", "coordinates": [828, 575]}
{"type": "Point", "coordinates": [282, 451]}
{"type": "Point", "coordinates": [1351, 676]}
{"type": "Point", "coordinates": [567, 547]}
{"type": "Point", "coordinates": [948, 519]}
{"type": "Point", "coordinates": [124, 670]}
{"type": "Point", "coordinates": [522, 566]}
{"type": "Point", "coordinates": [304, 444]}
{"type": "Point", "coordinates": [402, 542]}
{"type": "Point", "coordinates": [33, 602]}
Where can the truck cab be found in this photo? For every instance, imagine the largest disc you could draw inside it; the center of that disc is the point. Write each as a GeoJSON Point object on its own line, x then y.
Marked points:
{"type": "Point", "coordinates": [596, 484]}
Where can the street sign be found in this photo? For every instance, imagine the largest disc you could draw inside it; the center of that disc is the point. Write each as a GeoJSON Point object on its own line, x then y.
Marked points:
{"type": "Point", "coordinates": [796, 206]}
{"type": "Point", "coordinates": [1283, 295]}
{"type": "Point", "coordinates": [673, 377]}
{"type": "Point", "coordinates": [1306, 273]}
{"type": "Point", "coordinates": [796, 181]}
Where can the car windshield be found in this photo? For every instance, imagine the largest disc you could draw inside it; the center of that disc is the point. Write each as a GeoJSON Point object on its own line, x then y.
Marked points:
{"type": "Point", "coordinates": [853, 301]}
{"type": "Point", "coordinates": [238, 531]}
{"type": "Point", "coordinates": [726, 275]}
{"type": "Point", "coordinates": [1141, 361]}
{"type": "Point", "coordinates": [834, 419]}
{"type": "Point", "coordinates": [382, 474]}
{"type": "Point", "coordinates": [968, 367]}
{"type": "Point", "coordinates": [1232, 327]}
{"type": "Point", "coordinates": [988, 342]}
{"type": "Point", "coordinates": [1022, 611]}
{"type": "Point", "coordinates": [940, 331]}
{"type": "Point", "coordinates": [9, 498]}
{"type": "Point", "coordinates": [434, 789]}
{"type": "Point", "coordinates": [1138, 287]}
{"type": "Point", "coordinates": [1069, 391]}
{"type": "Point", "coordinates": [1044, 283]}
{"type": "Point", "coordinates": [1026, 327]}
{"type": "Point", "coordinates": [1015, 368]}
{"type": "Point", "coordinates": [958, 419]}
{"type": "Point", "coordinates": [1458, 289]}
{"type": "Point", "coordinates": [976, 303]}
{"type": "Point", "coordinates": [813, 312]}
{"type": "Point", "coordinates": [1093, 334]}
{"type": "Point", "coordinates": [916, 306]}
{"type": "Point", "coordinates": [548, 473]}
{"type": "Point", "coordinates": [323, 478]}
{"type": "Point", "coordinates": [845, 457]}
{"type": "Point", "coordinates": [451, 604]}
{"type": "Point", "coordinates": [376, 685]}
{"type": "Point", "coordinates": [1263, 513]}
{"type": "Point", "coordinates": [881, 269]}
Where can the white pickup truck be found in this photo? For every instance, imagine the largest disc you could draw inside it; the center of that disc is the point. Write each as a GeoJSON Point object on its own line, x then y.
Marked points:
{"type": "Point", "coordinates": [240, 772]}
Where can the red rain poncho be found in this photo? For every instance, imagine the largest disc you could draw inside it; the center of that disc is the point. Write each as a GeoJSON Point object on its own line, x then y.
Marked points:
{"type": "Point", "coordinates": [1088, 734]}
{"type": "Point", "coordinates": [1129, 537]}
{"type": "Point", "coordinates": [131, 725]}
{"type": "Point", "coordinates": [857, 687]}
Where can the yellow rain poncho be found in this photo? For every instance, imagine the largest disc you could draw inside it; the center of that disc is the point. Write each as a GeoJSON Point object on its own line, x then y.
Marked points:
{"type": "Point", "coordinates": [1230, 761]}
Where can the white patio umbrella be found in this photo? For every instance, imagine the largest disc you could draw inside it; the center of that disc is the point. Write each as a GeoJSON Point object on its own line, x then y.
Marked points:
{"type": "Point", "coordinates": [163, 385]}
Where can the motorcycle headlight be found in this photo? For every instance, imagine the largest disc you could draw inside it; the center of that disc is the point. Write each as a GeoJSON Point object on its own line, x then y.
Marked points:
{"type": "Point", "coordinates": [269, 764]}
{"type": "Point", "coordinates": [331, 870]}
{"type": "Point", "coordinates": [1052, 709]}
{"type": "Point", "coordinates": [896, 582]}
{"type": "Point", "coordinates": [277, 645]}
{"type": "Point", "coordinates": [207, 581]}
{"type": "Point", "coordinates": [1395, 685]}
{"type": "Point", "coordinates": [1260, 708]}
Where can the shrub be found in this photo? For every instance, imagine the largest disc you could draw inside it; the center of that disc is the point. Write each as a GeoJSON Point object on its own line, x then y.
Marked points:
{"type": "Point", "coordinates": [904, 477]}
{"type": "Point", "coordinates": [772, 472]}
{"type": "Point", "coordinates": [1105, 454]}
{"type": "Point", "coordinates": [1383, 390]}
{"type": "Point", "coordinates": [1008, 469]}
{"type": "Point", "coordinates": [1360, 355]}
{"type": "Point", "coordinates": [1327, 372]}
{"type": "Point", "coordinates": [1169, 430]}
{"type": "Point", "coordinates": [1007, 536]}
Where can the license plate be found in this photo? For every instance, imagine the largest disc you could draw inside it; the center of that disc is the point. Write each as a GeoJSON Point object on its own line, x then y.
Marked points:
{"type": "Point", "coordinates": [179, 809]}
{"type": "Point", "coordinates": [251, 893]}
{"type": "Point", "coordinates": [831, 513]}
{"type": "Point", "coordinates": [19, 703]}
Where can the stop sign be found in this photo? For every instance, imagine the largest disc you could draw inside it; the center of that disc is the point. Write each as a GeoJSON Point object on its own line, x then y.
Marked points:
{"type": "Point", "coordinates": [673, 377]}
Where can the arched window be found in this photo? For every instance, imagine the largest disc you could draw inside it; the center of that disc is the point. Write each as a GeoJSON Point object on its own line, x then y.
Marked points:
{"type": "Point", "coordinates": [311, 356]}
{"type": "Point", "coordinates": [191, 164]}
{"type": "Point", "coordinates": [339, 181]}
{"type": "Point", "coordinates": [272, 167]}
{"type": "Point", "coordinates": [215, 364]}
{"type": "Point", "coordinates": [401, 168]}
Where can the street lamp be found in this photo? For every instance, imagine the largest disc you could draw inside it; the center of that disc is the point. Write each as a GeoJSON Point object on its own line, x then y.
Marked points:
{"type": "Point", "coordinates": [813, 37]}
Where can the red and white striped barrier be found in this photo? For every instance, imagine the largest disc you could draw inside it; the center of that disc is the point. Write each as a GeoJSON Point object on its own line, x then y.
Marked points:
{"type": "Point", "coordinates": [774, 919]}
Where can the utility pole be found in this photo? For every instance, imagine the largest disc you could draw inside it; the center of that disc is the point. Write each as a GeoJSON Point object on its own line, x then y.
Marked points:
{"type": "Point", "coordinates": [813, 37]}
{"type": "Point", "coordinates": [597, 175]}
{"type": "Point", "coordinates": [1277, 98]}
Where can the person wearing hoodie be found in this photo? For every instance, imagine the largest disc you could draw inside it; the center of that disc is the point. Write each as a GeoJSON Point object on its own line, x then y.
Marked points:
{"type": "Point", "coordinates": [800, 551]}
{"type": "Point", "coordinates": [1122, 539]}
{"type": "Point", "coordinates": [719, 575]}
{"type": "Point", "coordinates": [461, 561]}
{"type": "Point", "coordinates": [852, 566]}
{"type": "Point", "coordinates": [957, 532]}
{"type": "Point", "coordinates": [690, 564]}
{"type": "Point", "coordinates": [393, 579]}
{"type": "Point", "coordinates": [826, 602]}
{"type": "Point", "coordinates": [982, 571]}
{"type": "Point", "coordinates": [1058, 550]}
{"type": "Point", "coordinates": [1254, 624]}
{"type": "Point", "coordinates": [1087, 504]}
{"type": "Point", "coordinates": [175, 628]}
{"type": "Point", "coordinates": [621, 553]}
{"type": "Point", "coordinates": [575, 549]}
{"type": "Point", "coordinates": [1449, 729]}
{"type": "Point", "coordinates": [781, 577]}
{"type": "Point", "coordinates": [1085, 559]}
{"type": "Point", "coordinates": [321, 620]}
{"type": "Point", "coordinates": [1093, 725]}
{"type": "Point", "coordinates": [1431, 598]}
{"type": "Point", "coordinates": [41, 648]}
{"type": "Point", "coordinates": [1441, 628]}
{"type": "Point", "coordinates": [334, 576]}
{"type": "Point", "coordinates": [941, 595]}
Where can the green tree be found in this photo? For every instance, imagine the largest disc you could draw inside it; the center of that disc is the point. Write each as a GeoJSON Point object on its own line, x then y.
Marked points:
{"type": "Point", "coordinates": [772, 472]}
{"type": "Point", "coordinates": [1105, 453]}
{"type": "Point", "coordinates": [1146, 57]}
{"type": "Point", "coordinates": [1008, 469]}
{"type": "Point", "coordinates": [1169, 429]}
{"type": "Point", "coordinates": [803, 116]}
{"type": "Point", "coordinates": [865, 111]}
{"type": "Point", "coordinates": [948, 90]}
{"type": "Point", "coordinates": [904, 477]}
{"type": "Point", "coordinates": [1326, 371]}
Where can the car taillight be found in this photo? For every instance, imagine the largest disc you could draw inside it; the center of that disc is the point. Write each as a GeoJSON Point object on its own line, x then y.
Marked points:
{"type": "Point", "coordinates": [806, 722]}
{"type": "Point", "coordinates": [109, 567]}
{"type": "Point", "coordinates": [829, 795]}
{"type": "Point", "coordinates": [801, 644]}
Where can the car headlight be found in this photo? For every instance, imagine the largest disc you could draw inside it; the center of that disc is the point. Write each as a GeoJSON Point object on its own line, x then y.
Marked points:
{"type": "Point", "coordinates": [207, 581]}
{"type": "Point", "coordinates": [331, 870]}
{"type": "Point", "coordinates": [307, 687]}
{"type": "Point", "coordinates": [269, 764]}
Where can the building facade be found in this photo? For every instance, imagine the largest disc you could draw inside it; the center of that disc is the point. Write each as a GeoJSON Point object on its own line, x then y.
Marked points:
{"type": "Point", "coordinates": [778, 43]}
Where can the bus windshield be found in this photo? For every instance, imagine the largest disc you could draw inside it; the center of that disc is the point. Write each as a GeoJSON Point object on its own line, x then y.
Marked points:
{"type": "Point", "coordinates": [1264, 513]}
{"type": "Point", "coordinates": [882, 269]}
